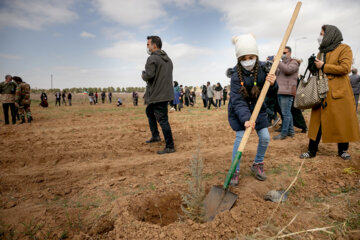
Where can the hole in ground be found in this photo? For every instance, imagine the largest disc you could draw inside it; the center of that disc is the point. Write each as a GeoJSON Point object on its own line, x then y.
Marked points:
{"type": "Point", "coordinates": [160, 209]}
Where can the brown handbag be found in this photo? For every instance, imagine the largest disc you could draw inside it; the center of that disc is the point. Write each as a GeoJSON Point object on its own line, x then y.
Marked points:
{"type": "Point", "coordinates": [312, 92]}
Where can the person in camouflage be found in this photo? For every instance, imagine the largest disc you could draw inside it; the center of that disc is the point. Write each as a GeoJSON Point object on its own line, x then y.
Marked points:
{"type": "Point", "coordinates": [22, 99]}
{"type": "Point", "coordinates": [7, 91]}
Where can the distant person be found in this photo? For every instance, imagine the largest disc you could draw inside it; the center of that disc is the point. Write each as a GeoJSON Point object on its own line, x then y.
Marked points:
{"type": "Point", "coordinates": [91, 98]}
{"type": "Point", "coordinates": [119, 102]}
{"type": "Point", "coordinates": [187, 96]}
{"type": "Point", "coordinates": [355, 84]}
{"type": "Point", "coordinates": [63, 95]}
{"type": "Point", "coordinates": [335, 121]}
{"type": "Point", "coordinates": [135, 97]}
{"type": "Point", "coordinates": [22, 99]}
{"type": "Point", "coordinates": [218, 94]}
{"type": "Point", "coordinates": [181, 104]}
{"type": "Point", "coordinates": [287, 75]}
{"type": "Point", "coordinates": [69, 97]}
{"type": "Point", "coordinates": [247, 79]}
{"type": "Point", "coordinates": [57, 98]}
{"type": "Point", "coordinates": [158, 76]}
{"type": "Point", "coordinates": [103, 96]}
{"type": "Point", "coordinates": [43, 98]}
{"type": "Point", "coordinates": [96, 98]}
{"type": "Point", "coordinates": [225, 93]}
{"type": "Point", "coordinates": [210, 95]}
{"type": "Point", "coordinates": [204, 96]}
{"type": "Point", "coordinates": [177, 93]}
{"type": "Point", "coordinates": [110, 96]}
{"type": "Point", "coordinates": [7, 91]}
{"type": "Point", "coordinates": [192, 99]}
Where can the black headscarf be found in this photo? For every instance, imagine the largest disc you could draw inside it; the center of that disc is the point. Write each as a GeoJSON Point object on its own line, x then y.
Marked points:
{"type": "Point", "coordinates": [332, 39]}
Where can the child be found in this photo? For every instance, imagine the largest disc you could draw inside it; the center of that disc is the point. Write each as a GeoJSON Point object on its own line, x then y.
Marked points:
{"type": "Point", "coordinates": [119, 102]}
{"type": "Point", "coordinates": [247, 79]}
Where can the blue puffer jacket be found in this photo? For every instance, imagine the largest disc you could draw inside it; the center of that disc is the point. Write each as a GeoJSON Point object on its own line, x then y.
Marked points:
{"type": "Point", "coordinates": [239, 109]}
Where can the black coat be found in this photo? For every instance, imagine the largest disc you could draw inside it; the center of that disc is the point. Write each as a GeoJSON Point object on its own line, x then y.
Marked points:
{"type": "Point", "coordinates": [239, 109]}
{"type": "Point", "coordinates": [159, 79]}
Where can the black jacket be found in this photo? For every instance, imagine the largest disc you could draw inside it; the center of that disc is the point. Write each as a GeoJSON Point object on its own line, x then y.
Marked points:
{"type": "Point", "coordinates": [158, 76]}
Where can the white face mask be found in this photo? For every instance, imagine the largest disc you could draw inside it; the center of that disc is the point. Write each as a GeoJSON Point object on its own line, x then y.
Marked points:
{"type": "Point", "coordinates": [148, 51]}
{"type": "Point", "coordinates": [283, 57]}
{"type": "Point", "coordinates": [320, 38]}
{"type": "Point", "coordinates": [248, 64]}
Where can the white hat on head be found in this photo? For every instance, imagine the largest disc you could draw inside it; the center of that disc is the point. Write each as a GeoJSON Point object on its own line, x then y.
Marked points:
{"type": "Point", "coordinates": [245, 45]}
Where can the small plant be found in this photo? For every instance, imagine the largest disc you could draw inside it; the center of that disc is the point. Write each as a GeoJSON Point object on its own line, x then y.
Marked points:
{"type": "Point", "coordinates": [193, 206]}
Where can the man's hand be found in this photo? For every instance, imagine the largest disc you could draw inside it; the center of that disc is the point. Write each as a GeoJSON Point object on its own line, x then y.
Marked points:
{"type": "Point", "coordinates": [17, 105]}
{"type": "Point", "coordinates": [249, 124]}
{"type": "Point", "coordinates": [271, 79]}
{"type": "Point", "coordinates": [318, 63]}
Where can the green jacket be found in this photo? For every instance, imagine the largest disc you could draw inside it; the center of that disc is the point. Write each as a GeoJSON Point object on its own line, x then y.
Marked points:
{"type": "Point", "coordinates": [22, 95]}
{"type": "Point", "coordinates": [7, 91]}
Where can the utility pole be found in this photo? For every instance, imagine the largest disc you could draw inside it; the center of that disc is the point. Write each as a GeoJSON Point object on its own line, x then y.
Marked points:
{"type": "Point", "coordinates": [51, 81]}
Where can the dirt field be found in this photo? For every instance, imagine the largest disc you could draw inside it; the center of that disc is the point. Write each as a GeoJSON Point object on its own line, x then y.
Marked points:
{"type": "Point", "coordinates": [85, 172]}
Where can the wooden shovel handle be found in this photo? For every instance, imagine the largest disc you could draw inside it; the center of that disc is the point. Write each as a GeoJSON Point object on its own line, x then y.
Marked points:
{"type": "Point", "coordinates": [266, 86]}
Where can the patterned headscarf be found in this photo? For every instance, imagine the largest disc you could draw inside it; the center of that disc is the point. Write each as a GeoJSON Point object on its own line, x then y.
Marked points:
{"type": "Point", "coordinates": [332, 39]}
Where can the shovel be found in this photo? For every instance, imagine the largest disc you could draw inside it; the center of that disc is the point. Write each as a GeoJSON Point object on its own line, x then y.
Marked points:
{"type": "Point", "coordinates": [220, 198]}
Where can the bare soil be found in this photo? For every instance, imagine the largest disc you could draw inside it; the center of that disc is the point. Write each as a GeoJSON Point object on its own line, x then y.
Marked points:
{"type": "Point", "coordinates": [85, 172]}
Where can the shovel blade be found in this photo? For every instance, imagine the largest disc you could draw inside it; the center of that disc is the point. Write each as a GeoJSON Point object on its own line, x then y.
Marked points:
{"type": "Point", "coordinates": [218, 200]}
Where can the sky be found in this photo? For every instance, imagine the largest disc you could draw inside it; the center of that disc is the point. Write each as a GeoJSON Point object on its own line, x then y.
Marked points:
{"type": "Point", "coordinates": [102, 43]}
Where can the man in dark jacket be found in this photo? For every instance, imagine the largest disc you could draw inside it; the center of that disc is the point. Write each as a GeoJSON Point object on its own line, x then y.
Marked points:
{"type": "Point", "coordinates": [159, 91]}
{"type": "Point", "coordinates": [287, 75]}
{"type": "Point", "coordinates": [355, 84]}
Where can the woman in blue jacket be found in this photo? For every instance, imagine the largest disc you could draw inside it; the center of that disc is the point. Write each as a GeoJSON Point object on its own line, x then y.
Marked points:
{"type": "Point", "coordinates": [247, 79]}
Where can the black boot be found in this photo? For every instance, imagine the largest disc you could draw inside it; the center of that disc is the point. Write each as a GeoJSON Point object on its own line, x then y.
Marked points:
{"type": "Point", "coordinates": [22, 120]}
{"type": "Point", "coordinates": [30, 119]}
{"type": "Point", "coordinates": [166, 150]}
{"type": "Point", "coordinates": [154, 139]}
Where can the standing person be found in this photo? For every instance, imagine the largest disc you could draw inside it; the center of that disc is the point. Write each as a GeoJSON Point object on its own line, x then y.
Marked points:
{"type": "Point", "coordinates": [22, 99]}
{"type": "Point", "coordinates": [335, 121]}
{"type": "Point", "coordinates": [43, 98]}
{"type": "Point", "coordinates": [181, 104]}
{"type": "Point", "coordinates": [91, 98]}
{"type": "Point", "coordinates": [159, 91]}
{"type": "Point", "coordinates": [355, 84]}
{"type": "Point", "coordinates": [177, 93]}
{"type": "Point", "coordinates": [225, 93]}
{"type": "Point", "coordinates": [218, 94]}
{"type": "Point", "coordinates": [64, 97]}
{"type": "Point", "coordinates": [247, 79]}
{"type": "Point", "coordinates": [210, 95]}
{"type": "Point", "coordinates": [287, 75]}
{"type": "Point", "coordinates": [135, 97]}
{"type": "Point", "coordinates": [69, 97]}
{"type": "Point", "coordinates": [57, 98]}
{"type": "Point", "coordinates": [110, 96]}
{"type": "Point", "coordinates": [103, 96]}
{"type": "Point", "coordinates": [96, 97]}
{"type": "Point", "coordinates": [187, 96]}
{"type": "Point", "coordinates": [7, 91]}
{"type": "Point", "coordinates": [204, 95]}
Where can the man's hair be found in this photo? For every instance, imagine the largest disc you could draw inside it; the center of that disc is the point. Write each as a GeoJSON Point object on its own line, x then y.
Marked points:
{"type": "Point", "coordinates": [17, 79]}
{"type": "Point", "coordinates": [155, 40]}
{"type": "Point", "coordinates": [354, 70]}
{"type": "Point", "coordinates": [208, 83]}
{"type": "Point", "coordinates": [6, 76]}
{"type": "Point", "coordinates": [288, 48]}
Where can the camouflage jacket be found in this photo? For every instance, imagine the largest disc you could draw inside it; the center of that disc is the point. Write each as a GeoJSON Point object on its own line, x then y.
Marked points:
{"type": "Point", "coordinates": [22, 95]}
{"type": "Point", "coordinates": [7, 91]}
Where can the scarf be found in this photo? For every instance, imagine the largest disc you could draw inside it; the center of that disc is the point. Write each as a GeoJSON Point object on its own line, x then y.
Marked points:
{"type": "Point", "coordinates": [219, 88]}
{"type": "Point", "coordinates": [332, 39]}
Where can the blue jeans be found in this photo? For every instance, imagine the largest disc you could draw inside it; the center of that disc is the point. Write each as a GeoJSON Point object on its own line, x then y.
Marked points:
{"type": "Point", "coordinates": [264, 139]}
{"type": "Point", "coordinates": [285, 102]}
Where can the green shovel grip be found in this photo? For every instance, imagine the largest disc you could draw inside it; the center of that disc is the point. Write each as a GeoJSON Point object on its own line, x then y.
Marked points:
{"type": "Point", "coordinates": [232, 170]}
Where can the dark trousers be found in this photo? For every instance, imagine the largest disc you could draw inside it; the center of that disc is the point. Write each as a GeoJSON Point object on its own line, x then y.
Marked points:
{"type": "Point", "coordinates": [224, 99]}
{"type": "Point", "coordinates": [57, 101]}
{"type": "Point", "coordinates": [110, 99]}
{"type": "Point", "coordinates": [158, 112]}
{"type": "Point", "coordinates": [298, 118]}
{"type": "Point", "coordinates": [211, 101]}
{"type": "Point", "coordinates": [356, 100]}
{"type": "Point", "coordinates": [205, 102]}
{"type": "Point", "coordinates": [313, 145]}
{"type": "Point", "coordinates": [6, 107]}
{"type": "Point", "coordinates": [218, 102]}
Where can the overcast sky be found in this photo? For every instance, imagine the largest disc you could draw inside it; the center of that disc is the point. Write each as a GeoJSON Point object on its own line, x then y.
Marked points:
{"type": "Point", "coordinates": [101, 43]}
